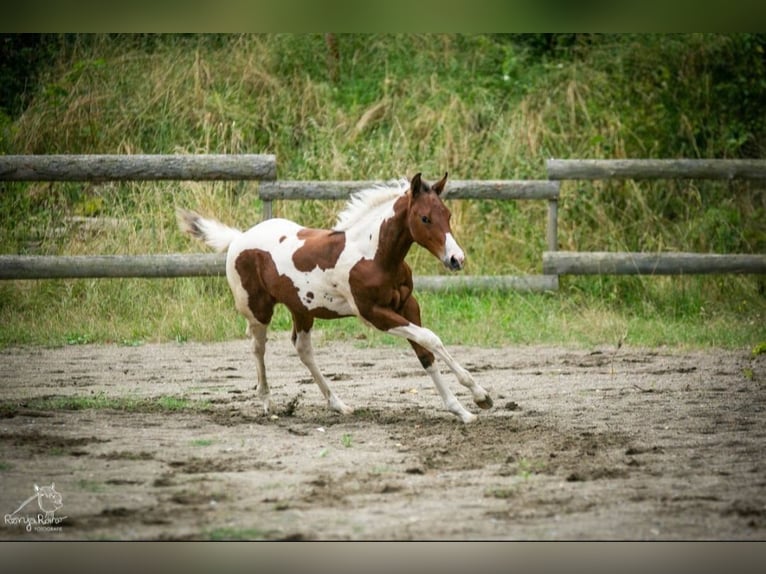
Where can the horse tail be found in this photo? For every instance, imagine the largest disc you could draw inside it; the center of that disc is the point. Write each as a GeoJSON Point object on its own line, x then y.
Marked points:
{"type": "Point", "coordinates": [214, 233]}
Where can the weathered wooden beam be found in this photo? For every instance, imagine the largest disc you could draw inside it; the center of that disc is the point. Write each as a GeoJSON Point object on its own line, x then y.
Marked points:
{"type": "Point", "coordinates": [559, 169]}
{"type": "Point", "coordinates": [203, 264]}
{"type": "Point", "coordinates": [197, 167]}
{"type": "Point", "coordinates": [621, 263]}
{"type": "Point", "coordinates": [206, 264]}
{"type": "Point", "coordinates": [523, 283]}
{"type": "Point", "coordinates": [456, 189]}
{"type": "Point", "coordinates": [99, 266]}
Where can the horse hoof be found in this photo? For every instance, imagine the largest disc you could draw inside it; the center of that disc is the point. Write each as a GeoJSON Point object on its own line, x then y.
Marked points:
{"type": "Point", "coordinates": [468, 418]}
{"type": "Point", "coordinates": [341, 408]}
{"type": "Point", "coordinates": [486, 403]}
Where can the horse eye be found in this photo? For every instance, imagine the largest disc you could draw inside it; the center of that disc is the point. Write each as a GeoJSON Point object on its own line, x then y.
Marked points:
{"type": "Point", "coordinates": [425, 219]}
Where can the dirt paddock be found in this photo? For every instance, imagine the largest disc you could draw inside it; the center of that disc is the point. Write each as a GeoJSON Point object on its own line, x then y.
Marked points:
{"type": "Point", "coordinates": [580, 444]}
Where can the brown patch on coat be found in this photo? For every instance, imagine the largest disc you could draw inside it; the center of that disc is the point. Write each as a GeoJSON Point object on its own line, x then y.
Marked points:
{"type": "Point", "coordinates": [380, 296]}
{"type": "Point", "coordinates": [266, 287]}
{"type": "Point", "coordinates": [250, 265]}
{"type": "Point", "coordinates": [321, 248]}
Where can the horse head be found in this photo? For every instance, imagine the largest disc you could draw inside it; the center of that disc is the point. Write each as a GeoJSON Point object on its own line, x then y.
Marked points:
{"type": "Point", "coordinates": [48, 499]}
{"type": "Point", "coordinates": [429, 222]}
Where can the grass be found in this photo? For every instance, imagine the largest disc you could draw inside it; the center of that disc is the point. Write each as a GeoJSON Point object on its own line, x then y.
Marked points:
{"type": "Point", "coordinates": [667, 311]}
{"type": "Point", "coordinates": [164, 404]}
{"type": "Point", "coordinates": [202, 442]}
{"type": "Point", "coordinates": [478, 106]}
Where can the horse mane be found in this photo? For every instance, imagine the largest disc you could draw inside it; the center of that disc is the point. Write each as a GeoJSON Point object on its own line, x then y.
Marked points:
{"type": "Point", "coordinates": [361, 202]}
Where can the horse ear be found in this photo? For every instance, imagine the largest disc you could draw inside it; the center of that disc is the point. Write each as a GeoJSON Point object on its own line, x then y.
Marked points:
{"type": "Point", "coordinates": [415, 184]}
{"type": "Point", "coordinates": [438, 187]}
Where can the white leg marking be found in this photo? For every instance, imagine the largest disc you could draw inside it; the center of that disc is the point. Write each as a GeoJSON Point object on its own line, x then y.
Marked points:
{"type": "Point", "coordinates": [257, 332]}
{"type": "Point", "coordinates": [428, 339]}
{"type": "Point", "coordinates": [450, 401]}
{"type": "Point", "coordinates": [306, 354]}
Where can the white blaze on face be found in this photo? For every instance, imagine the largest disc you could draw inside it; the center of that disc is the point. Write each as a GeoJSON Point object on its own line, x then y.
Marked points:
{"type": "Point", "coordinates": [454, 258]}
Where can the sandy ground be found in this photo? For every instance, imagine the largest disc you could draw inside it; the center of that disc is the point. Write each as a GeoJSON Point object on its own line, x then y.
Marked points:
{"type": "Point", "coordinates": [581, 444]}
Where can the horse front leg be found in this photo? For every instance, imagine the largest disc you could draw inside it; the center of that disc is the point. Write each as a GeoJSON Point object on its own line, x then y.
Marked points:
{"type": "Point", "coordinates": [425, 338]}
{"type": "Point", "coordinates": [427, 344]}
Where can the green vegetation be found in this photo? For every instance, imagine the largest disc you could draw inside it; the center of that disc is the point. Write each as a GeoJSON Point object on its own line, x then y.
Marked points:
{"type": "Point", "coordinates": [202, 442]}
{"type": "Point", "coordinates": [101, 401]}
{"type": "Point", "coordinates": [383, 106]}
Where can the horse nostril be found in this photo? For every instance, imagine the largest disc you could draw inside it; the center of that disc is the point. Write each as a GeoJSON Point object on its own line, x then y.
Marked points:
{"type": "Point", "coordinates": [455, 263]}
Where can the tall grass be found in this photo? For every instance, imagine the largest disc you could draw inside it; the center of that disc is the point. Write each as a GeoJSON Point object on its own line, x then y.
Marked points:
{"type": "Point", "coordinates": [480, 107]}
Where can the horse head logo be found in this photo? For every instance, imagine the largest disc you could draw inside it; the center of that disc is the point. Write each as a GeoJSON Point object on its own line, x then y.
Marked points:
{"type": "Point", "coordinates": [48, 499]}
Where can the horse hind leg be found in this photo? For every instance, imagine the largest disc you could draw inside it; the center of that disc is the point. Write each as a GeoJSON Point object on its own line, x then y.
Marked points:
{"type": "Point", "coordinates": [258, 309]}
{"type": "Point", "coordinates": [302, 342]}
{"type": "Point", "coordinates": [257, 332]}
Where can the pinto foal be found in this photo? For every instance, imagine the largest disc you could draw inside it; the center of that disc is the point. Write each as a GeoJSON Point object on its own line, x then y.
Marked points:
{"type": "Point", "coordinates": [356, 268]}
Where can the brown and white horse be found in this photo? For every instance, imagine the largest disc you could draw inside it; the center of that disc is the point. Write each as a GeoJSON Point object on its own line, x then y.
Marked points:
{"type": "Point", "coordinates": [356, 268]}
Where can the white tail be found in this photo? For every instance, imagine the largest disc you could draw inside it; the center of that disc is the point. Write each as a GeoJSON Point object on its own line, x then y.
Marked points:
{"type": "Point", "coordinates": [214, 233]}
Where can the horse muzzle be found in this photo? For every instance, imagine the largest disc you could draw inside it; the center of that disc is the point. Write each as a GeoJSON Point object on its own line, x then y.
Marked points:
{"type": "Point", "coordinates": [453, 263]}
{"type": "Point", "coordinates": [454, 258]}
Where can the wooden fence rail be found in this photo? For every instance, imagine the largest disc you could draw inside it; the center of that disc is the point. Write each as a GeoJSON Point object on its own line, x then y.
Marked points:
{"type": "Point", "coordinates": [456, 189]}
{"type": "Point", "coordinates": [622, 263]}
{"type": "Point", "coordinates": [214, 264]}
{"type": "Point", "coordinates": [137, 167]}
{"type": "Point", "coordinates": [102, 266]}
{"type": "Point", "coordinates": [560, 169]}
{"type": "Point", "coordinates": [611, 263]}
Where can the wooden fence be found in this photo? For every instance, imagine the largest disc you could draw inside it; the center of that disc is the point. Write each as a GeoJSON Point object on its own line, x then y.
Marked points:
{"type": "Point", "coordinates": [235, 167]}
{"type": "Point", "coordinates": [626, 263]}
{"type": "Point", "coordinates": [263, 168]}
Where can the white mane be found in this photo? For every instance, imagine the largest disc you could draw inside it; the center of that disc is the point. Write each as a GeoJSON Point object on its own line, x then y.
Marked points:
{"type": "Point", "coordinates": [362, 202]}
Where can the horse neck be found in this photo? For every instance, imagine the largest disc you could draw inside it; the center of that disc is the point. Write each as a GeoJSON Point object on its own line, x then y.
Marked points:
{"type": "Point", "coordinates": [384, 236]}
{"type": "Point", "coordinates": [394, 237]}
